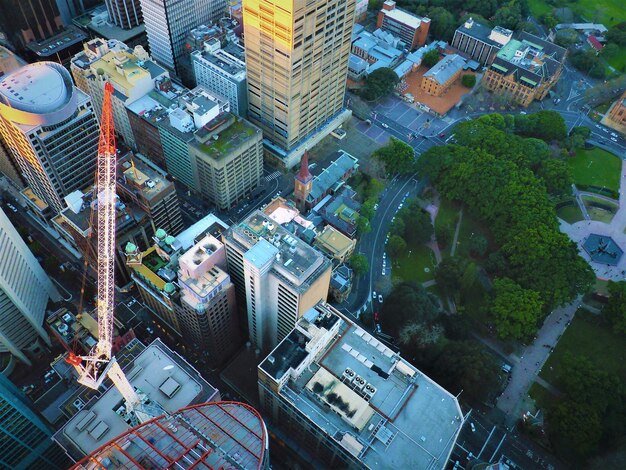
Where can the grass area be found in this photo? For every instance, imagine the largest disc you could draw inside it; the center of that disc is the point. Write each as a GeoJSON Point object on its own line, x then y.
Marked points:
{"type": "Point", "coordinates": [600, 209]}
{"type": "Point", "coordinates": [596, 167]}
{"type": "Point", "coordinates": [470, 227]}
{"type": "Point", "coordinates": [447, 216]}
{"type": "Point", "coordinates": [589, 336]}
{"type": "Point", "coordinates": [570, 213]}
{"type": "Point", "coordinates": [618, 61]}
{"type": "Point", "coordinates": [418, 265]}
{"type": "Point", "coordinates": [603, 108]}
{"type": "Point", "coordinates": [608, 12]}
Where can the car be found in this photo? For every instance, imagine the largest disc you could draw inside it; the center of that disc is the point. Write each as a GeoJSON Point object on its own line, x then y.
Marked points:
{"type": "Point", "coordinates": [376, 317]}
{"type": "Point", "coordinates": [613, 134]}
{"type": "Point", "coordinates": [393, 219]}
{"type": "Point", "coordinates": [598, 126]}
{"type": "Point", "coordinates": [401, 205]}
{"type": "Point", "coordinates": [442, 135]}
{"type": "Point", "coordinates": [378, 329]}
{"type": "Point", "coordinates": [384, 126]}
{"type": "Point", "coordinates": [613, 139]}
{"type": "Point", "coordinates": [605, 129]}
{"type": "Point", "coordinates": [523, 112]}
{"type": "Point", "coordinates": [375, 207]}
{"type": "Point", "coordinates": [12, 207]}
{"type": "Point", "coordinates": [473, 427]}
{"type": "Point", "coordinates": [374, 295]}
{"type": "Point", "coordinates": [406, 195]}
{"type": "Point", "coordinates": [380, 298]}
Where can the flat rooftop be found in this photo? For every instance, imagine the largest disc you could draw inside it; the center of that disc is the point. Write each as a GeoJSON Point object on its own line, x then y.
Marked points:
{"type": "Point", "coordinates": [224, 61]}
{"type": "Point", "coordinates": [160, 373]}
{"type": "Point", "coordinates": [66, 38]}
{"type": "Point", "coordinates": [229, 136]}
{"type": "Point", "coordinates": [144, 178]}
{"type": "Point", "coordinates": [376, 405]}
{"type": "Point", "coordinates": [293, 257]}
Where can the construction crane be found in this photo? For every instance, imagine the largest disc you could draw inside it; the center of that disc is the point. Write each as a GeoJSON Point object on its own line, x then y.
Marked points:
{"type": "Point", "coordinates": [100, 363]}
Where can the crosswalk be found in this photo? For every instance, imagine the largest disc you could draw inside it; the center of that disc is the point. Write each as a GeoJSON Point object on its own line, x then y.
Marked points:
{"type": "Point", "coordinates": [273, 176]}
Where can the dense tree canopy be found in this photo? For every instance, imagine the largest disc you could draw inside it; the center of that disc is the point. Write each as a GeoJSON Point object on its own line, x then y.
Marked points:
{"type": "Point", "coordinates": [397, 156]}
{"type": "Point", "coordinates": [359, 264]}
{"type": "Point", "coordinates": [617, 34]}
{"type": "Point", "coordinates": [574, 428]}
{"type": "Point", "coordinates": [468, 80]}
{"type": "Point", "coordinates": [615, 309]}
{"type": "Point", "coordinates": [514, 311]}
{"type": "Point", "coordinates": [380, 82]}
{"type": "Point", "coordinates": [396, 246]}
{"type": "Point", "coordinates": [431, 58]}
{"type": "Point", "coordinates": [557, 176]}
{"type": "Point", "coordinates": [408, 302]}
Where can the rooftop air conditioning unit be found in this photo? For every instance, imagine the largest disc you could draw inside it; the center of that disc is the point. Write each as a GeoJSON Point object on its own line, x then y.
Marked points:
{"type": "Point", "coordinates": [369, 390]}
{"type": "Point", "coordinates": [349, 374]}
{"type": "Point", "coordinates": [359, 382]}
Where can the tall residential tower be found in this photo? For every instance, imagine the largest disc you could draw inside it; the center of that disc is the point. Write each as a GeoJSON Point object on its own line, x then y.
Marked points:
{"type": "Point", "coordinates": [297, 62]}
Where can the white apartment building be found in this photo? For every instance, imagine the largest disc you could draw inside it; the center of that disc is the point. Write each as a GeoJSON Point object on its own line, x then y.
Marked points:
{"type": "Point", "coordinates": [131, 72]}
{"type": "Point", "coordinates": [24, 293]}
{"type": "Point", "coordinates": [51, 130]}
{"type": "Point", "coordinates": [168, 22]}
{"type": "Point", "coordinates": [279, 276]}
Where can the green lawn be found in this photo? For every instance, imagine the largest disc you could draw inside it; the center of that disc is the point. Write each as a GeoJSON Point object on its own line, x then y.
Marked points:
{"type": "Point", "coordinates": [618, 61]}
{"type": "Point", "coordinates": [608, 12]}
{"type": "Point", "coordinates": [603, 108]}
{"type": "Point", "coordinates": [590, 337]}
{"type": "Point", "coordinates": [413, 266]}
{"type": "Point", "coordinates": [542, 396]}
{"type": "Point", "coordinates": [602, 214]}
{"type": "Point", "coordinates": [596, 167]}
{"type": "Point", "coordinates": [570, 213]}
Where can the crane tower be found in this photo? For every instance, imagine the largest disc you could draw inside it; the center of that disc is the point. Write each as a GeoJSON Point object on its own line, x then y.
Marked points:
{"type": "Point", "coordinates": [92, 369]}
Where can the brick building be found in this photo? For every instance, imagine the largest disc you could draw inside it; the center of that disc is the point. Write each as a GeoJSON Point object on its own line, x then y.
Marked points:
{"type": "Point", "coordinates": [442, 75]}
{"type": "Point", "coordinates": [412, 29]}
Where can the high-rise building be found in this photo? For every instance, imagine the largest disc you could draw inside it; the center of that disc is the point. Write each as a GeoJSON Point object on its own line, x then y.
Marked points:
{"type": "Point", "coordinates": [184, 281]}
{"type": "Point", "coordinates": [215, 154]}
{"type": "Point", "coordinates": [223, 71]}
{"type": "Point", "coordinates": [51, 130]}
{"type": "Point", "coordinates": [24, 21]}
{"type": "Point", "coordinates": [161, 377]}
{"type": "Point", "coordinates": [351, 402]}
{"type": "Point", "coordinates": [131, 72]}
{"type": "Point", "coordinates": [168, 22]}
{"type": "Point", "coordinates": [26, 438]}
{"type": "Point", "coordinates": [279, 276]}
{"type": "Point", "coordinates": [297, 62]}
{"type": "Point", "coordinates": [480, 42]}
{"type": "Point", "coordinates": [124, 13]}
{"type": "Point", "coordinates": [25, 290]}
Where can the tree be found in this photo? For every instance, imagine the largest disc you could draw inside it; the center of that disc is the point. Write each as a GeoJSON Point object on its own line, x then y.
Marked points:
{"type": "Point", "coordinates": [449, 272]}
{"type": "Point", "coordinates": [515, 311]}
{"type": "Point", "coordinates": [359, 264]}
{"type": "Point", "coordinates": [396, 246]}
{"type": "Point", "coordinates": [508, 15]}
{"type": "Point", "coordinates": [397, 156]}
{"type": "Point", "coordinates": [444, 234]}
{"type": "Point", "coordinates": [546, 125]}
{"type": "Point", "coordinates": [557, 176]}
{"type": "Point", "coordinates": [367, 209]}
{"type": "Point", "coordinates": [587, 61]}
{"type": "Point", "coordinates": [615, 308]}
{"type": "Point", "coordinates": [442, 23]}
{"type": "Point", "coordinates": [465, 366]}
{"type": "Point", "coordinates": [478, 245]}
{"type": "Point", "coordinates": [617, 34]}
{"type": "Point", "coordinates": [420, 335]}
{"type": "Point", "coordinates": [574, 428]}
{"type": "Point", "coordinates": [408, 302]}
{"type": "Point", "coordinates": [363, 226]}
{"type": "Point", "coordinates": [418, 228]}
{"type": "Point", "coordinates": [566, 37]}
{"type": "Point", "coordinates": [380, 82]}
{"type": "Point", "coordinates": [468, 80]}
{"type": "Point", "coordinates": [549, 20]}
{"type": "Point", "coordinates": [431, 58]}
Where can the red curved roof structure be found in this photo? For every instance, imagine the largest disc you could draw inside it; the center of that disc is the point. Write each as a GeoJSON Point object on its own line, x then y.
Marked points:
{"type": "Point", "coordinates": [216, 435]}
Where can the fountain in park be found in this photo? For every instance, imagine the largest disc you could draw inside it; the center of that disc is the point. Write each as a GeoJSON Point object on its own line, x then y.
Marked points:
{"type": "Point", "coordinates": [603, 249]}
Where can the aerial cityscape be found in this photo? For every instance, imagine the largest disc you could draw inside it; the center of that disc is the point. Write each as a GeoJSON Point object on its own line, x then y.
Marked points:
{"type": "Point", "coordinates": [312, 234]}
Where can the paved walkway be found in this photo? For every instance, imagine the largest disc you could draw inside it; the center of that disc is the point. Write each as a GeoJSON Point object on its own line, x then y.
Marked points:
{"type": "Point", "coordinates": [455, 240]}
{"type": "Point", "coordinates": [526, 367]}
{"type": "Point", "coordinates": [579, 231]}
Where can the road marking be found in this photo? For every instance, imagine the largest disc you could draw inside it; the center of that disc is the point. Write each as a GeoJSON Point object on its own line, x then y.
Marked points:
{"type": "Point", "coordinates": [485, 444]}
{"type": "Point", "coordinates": [497, 449]}
{"type": "Point", "coordinates": [273, 176]}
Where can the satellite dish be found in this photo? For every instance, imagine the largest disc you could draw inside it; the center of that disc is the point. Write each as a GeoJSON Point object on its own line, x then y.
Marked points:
{"type": "Point", "coordinates": [168, 367]}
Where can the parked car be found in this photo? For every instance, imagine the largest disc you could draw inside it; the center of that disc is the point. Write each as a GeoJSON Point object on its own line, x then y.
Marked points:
{"type": "Point", "coordinates": [378, 329]}
{"type": "Point", "coordinates": [374, 295]}
{"type": "Point", "coordinates": [442, 135]}
{"type": "Point", "coordinates": [384, 126]}
{"type": "Point", "coordinates": [375, 207]}
{"type": "Point", "coordinates": [473, 427]}
{"type": "Point", "coordinates": [380, 298]}
{"type": "Point", "coordinates": [376, 316]}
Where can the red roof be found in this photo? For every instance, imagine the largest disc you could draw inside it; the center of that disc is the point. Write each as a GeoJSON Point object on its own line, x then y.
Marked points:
{"type": "Point", "coordinates": [593, 41]}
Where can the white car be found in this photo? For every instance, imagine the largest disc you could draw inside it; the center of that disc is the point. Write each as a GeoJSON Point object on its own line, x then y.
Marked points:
{"type": "Point", "coordinates": [380, 298]}
{"type": "Point", "coordinates": [384, 126]}
{"type": "Point", "coordinates": [375, 207]}
{"type": "Point", "coordinates": [613, 134]}
{"type": "Point", "coordinates": [378, 329]}
{"type": "Point", "coordinates": [473, 427]}
{"type": "Point", "coordinates": [374, 295]}
{"type": "Point", "coordinates": [401, 205]}
{"type": "Point", "coordinates": [605, 129]}
{"type": "Point", "coordinates": [613, 139]}
{"type": "Point", "coordinates": [12, 207]}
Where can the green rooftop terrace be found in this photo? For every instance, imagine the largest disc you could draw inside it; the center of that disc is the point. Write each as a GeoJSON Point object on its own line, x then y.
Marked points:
{"type": "Point", "coordinates": [229, 139]}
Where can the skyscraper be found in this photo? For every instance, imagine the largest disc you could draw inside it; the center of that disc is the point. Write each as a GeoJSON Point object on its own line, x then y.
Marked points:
{"type": "Point", "coordinates": [168, 22]}
{"type": "Point", "coordinates": [24, 21]}
{"type": "Point", "coordinates": [297, 61]}
{"type": "Point", "coordinates": [26, 438]}
{"type": "Point", "coordinates": [124, 13]}
{"type": "Point", "coordinates": [50, 128]}
{"type": "Point", "coordinates": [24, 293]}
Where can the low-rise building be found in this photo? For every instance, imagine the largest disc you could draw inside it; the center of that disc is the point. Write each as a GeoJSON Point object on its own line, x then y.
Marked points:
{"type": "Point", "coordinates": [526, 68]}
{"type": "Point", "coordinates": [335, 244]}
{"type": "Point", "coordinates": [377, 49]}
{"type": "Point", "coordinates": [412, 29]}
{"type": "Point", "coordinates": [442, 75]}
{"type": "Point", "coordinates": [341, 283]}
{"type": "Point", "coordinates": [480, 42]}
{"type": "Point", "coordinates": [158, 374]}
{"type": "Point", "coordinates": [350, 401]}
{"type": "Point", "coordinates": [616, 115]}
{"type": "Point", "coordinates": [340, 210]}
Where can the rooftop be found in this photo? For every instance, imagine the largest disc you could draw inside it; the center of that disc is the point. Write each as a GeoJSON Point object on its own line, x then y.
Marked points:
{"type": "Point", "coordinates": [142, 177]}
{"type": "Point", "coordinates": [224, 138]}
{"type": "Point", "coordinates": [42, 87]}
{"type": "Point", "coordinates": [160, 373]}
{"type": "Point", "coordinates": [50, 46]}
{"type": "Point", "coordinates": [373, 403]}
{"type": "Point", "coordinates": [446, 68]}
{"type": "Point", "coordinates": [333, 241]}
{"type": "Point", "coordinates": [481, 32]}
{"type": "Point", "coordinates": [224, 61]}
{"type": "Point", "coordinates": [329, 176]}
{"type": "Point", "coordinates": [266, 239]}
{"type": "Point", "coordinates": [220, 435]}
{"type": "Point", "coordinates": [403, 17]}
